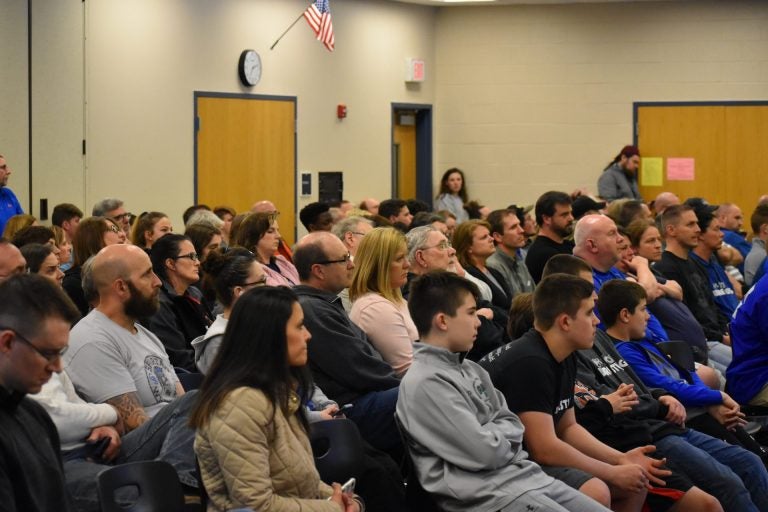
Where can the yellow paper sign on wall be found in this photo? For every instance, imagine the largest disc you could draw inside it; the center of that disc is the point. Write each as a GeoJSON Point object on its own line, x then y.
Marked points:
{"type": "Point", "coordinates": [652, 172]}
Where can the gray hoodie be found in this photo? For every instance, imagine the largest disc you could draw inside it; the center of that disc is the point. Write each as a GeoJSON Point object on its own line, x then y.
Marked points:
{"type": "Point", "coordinates": [465, 443]}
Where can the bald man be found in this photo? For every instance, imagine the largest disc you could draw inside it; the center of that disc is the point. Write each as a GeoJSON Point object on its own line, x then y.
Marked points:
{"type": "Point", "coordinates": [113, 359]}
{"type": "Point", "coordinates": [597, 242]}
{"type": "Point", "coordinates": [369, 204]}
{"type": "Point", "coordinates": [264, 206]}
{"type": "Point", "coordinates": [343, 362]}
{"type": "Point", "coordinates": [664, 200]}
{"type": "Point", "coordinates": [11, 260]}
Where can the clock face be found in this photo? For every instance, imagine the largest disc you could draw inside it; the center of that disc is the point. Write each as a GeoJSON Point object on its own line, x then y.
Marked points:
{"type": "Point", "coordinates": [250, 67]}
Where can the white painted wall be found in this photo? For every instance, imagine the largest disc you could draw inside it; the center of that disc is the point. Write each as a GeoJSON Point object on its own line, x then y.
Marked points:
{"type": "Point", "coordinates": [526, 98]}
{"type": "Point", "coordinates": [534, 98]}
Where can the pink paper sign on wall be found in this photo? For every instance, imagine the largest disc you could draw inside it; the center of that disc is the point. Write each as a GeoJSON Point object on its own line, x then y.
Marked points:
{"type": "Point", "coordinates": [681, 169]}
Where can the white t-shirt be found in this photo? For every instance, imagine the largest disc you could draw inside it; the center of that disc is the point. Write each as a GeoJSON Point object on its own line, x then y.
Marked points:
{"type": "Point", "coordinates": [104, 360]}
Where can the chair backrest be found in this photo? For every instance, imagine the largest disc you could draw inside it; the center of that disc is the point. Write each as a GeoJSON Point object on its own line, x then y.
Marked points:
{"type": "Point", "coordinates": [158, 487]}
{"type": "Point", "coordinates": [190, 381]}
{"type": "Point", "coordinates": [416, 496]}
{"type": "Point", "coordinates": [679, 352]}
{"type": "Point", "coordinates": [337, 448]}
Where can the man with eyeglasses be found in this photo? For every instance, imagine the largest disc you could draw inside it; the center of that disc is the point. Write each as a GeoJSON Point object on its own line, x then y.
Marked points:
{"type": "Point", "coordinates": [35, 316]}
{"type": "Point", "coordinates": [429, 250]}
{"type": "Point", "coordinates": [113, 208]}
{"type": "Point", "coordinates": [351, 231]}
{"type": "Point", "coordinates": [343, 362]}
{"type": "Point", "coordinates": [113, 359]}
{"type": "Point", "coordinates": [9, 204]}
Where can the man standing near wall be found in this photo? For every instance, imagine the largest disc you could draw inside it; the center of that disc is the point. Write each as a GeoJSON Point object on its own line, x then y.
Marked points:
{"type": "Point", "coordinates": [9, 205]}
{"type": "Point", "coordinates": [619, 179]}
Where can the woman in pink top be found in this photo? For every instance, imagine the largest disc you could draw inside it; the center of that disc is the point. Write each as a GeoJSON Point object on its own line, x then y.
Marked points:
{"type": "Point", "coordinates": [260, 234]}
{"type": "Point", "coordinates": [378, 307]}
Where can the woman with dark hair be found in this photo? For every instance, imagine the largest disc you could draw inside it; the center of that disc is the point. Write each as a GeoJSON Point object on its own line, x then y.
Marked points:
{"type": "Point", "coordinates": [228, 275]}
{"type": "Point", "coordinates": [205, 238]}
{"type": "Point", "coordinates": [92, 235]}
{"type": "Point", "coordinates": [182, 315]}
{"type": "Point", "coordinates": [251, 404]}
{"type": "Point", "coordinates": [150, 227]}
{"type": "Point", "coordinates": [453, 194]}
{"type": "Point", "coordinates": [227, 214]}
{"type": "Point", "coordinates": [474, 245]}
{"type": "Point", "coordinates": [260, 234]}
{"type": "Point", "coordinates": [41, 259]}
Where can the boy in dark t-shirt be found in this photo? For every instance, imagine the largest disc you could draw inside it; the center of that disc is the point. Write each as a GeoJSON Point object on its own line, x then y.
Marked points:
{"type": "Point", "coordinates": [564, 322]}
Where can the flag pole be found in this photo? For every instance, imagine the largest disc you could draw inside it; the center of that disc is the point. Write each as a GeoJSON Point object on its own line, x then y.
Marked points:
{"type": "Point", "coordinates": [286, 31]}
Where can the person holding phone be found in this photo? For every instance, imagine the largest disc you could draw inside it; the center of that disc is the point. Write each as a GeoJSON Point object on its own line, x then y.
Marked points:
{"type": "Point", "coordinates": [252, 441]}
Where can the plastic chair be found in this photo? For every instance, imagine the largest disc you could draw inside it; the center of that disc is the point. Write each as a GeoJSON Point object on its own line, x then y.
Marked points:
{"type": "Point", "coordinates": [416, 496]}
{"type": "Point", "coordinates": [190, 381]}
{"type": "Point", "coordinates": [158, 486]}
{"type": "Point", "coordinates": [337, 448]}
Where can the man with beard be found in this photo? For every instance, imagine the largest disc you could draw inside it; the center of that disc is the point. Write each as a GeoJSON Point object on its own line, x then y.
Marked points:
{"type": "Point", "coordinates": [9, 205]}
{"type": "Point", "coordinates": [619, 179]}
{"type": "Point", "coordinates": [113, 359]}
{"type": "Point", "coordinates": [555, 219]}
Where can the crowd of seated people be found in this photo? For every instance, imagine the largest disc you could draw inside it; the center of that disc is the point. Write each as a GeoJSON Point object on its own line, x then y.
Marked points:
{"type": "Point", "coordinates": [456, 337]}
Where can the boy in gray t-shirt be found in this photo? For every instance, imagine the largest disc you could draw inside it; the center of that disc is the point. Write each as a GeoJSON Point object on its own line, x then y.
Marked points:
{"type": "Point", "coordinates": [105, 360]}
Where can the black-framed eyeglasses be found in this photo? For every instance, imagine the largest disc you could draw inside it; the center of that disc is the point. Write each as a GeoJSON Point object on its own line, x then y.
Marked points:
{"type": "Point", "coordinates": [191, 256]}
{"type": "Point", "coordinates": [346, 259]}
{"type": "Point", "coordinates": [122, 216]}
{"type": "Point", "coordinates": [256, 284]}
{"type": "Point", "coordinates": [443, 245]}
{"type": "Point", "coordinates": [113, 228]}
{"type": "Point", "coordinates": [49, 355]}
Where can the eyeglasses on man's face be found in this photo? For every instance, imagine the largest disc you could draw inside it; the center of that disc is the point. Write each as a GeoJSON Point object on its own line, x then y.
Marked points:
{"type": "Point", "coordinates": [444, 245]}
{"type": "Point", "coordinates": [120, 217]}
{"type": "Point", "coordinates": [190, 256]}
{"type": "Point", "coordinates": [346, 259]}
{"type": "Point", "coordinates": [49, 355]}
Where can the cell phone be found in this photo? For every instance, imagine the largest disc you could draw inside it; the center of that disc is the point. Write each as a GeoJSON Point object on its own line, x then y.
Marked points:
{"type": "Point", "coordinates": [349, 486]}
{"type": "Point", "coordinates": [341, 410]}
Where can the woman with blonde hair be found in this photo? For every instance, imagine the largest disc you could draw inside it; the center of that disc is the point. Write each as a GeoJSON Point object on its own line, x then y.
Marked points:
{"type": "Point", "coordinates": [65, 248]}
{"type": "Point", "coordinates": [378, 307]}
{"type": "Point", "coordinates": [17, 223]}
{"type": "Point", "coordinates": [260, 234]}
{"type": "Point", "coordinates": [149, 227]}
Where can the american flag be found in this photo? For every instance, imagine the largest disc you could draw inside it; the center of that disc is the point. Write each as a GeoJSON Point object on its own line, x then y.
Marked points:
{"type": "Point", "coordinates": [318, 15]}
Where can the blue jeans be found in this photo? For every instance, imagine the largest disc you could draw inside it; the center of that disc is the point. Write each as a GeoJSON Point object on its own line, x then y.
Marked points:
{"type": "Point", "coordinates": [733, 475]}
{"type": "Point", "coordinates": [166, 436]}
{"type": "Point", "coordinates": [720, 355]}
{"type": "Point", "coordinates": [374, 415]}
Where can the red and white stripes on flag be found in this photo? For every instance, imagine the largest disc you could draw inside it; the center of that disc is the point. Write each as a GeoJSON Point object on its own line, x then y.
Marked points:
{"type": "Point", "coordinates": [318, 15]}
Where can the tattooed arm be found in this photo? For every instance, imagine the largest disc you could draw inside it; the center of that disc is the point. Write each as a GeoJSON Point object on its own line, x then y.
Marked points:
{"type": "Point", "coordinates": [129, 410]}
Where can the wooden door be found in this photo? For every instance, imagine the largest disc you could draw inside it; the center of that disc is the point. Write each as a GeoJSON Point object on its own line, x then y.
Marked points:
{"type": "Point", "coordinates": [246, 151]}
{"type": "Point", "coordinates": [405, 143]}
{"type": "Point", "coordinates": [726, 141]}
